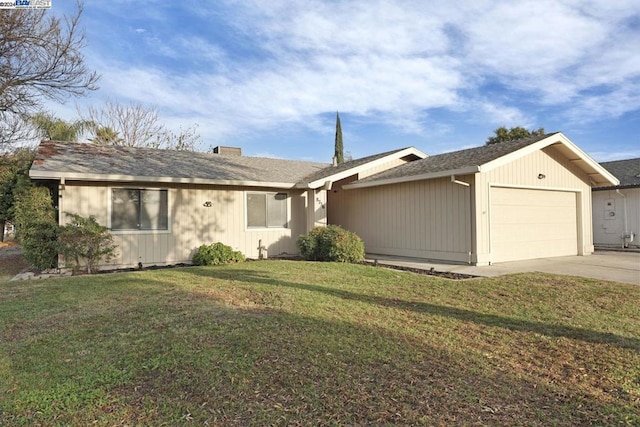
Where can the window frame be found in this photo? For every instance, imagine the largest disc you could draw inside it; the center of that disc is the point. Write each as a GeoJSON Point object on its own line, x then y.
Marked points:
{"type": "Point", "coordinates": [137, 230]}
{"type": "Point", "coordinates": [287, 225]}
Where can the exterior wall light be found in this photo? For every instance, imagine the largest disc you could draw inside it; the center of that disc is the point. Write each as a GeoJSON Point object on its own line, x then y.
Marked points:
{"type": "Point", "coordinates": [541, 176]}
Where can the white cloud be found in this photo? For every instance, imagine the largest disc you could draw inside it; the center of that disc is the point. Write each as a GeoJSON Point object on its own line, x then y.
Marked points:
{"type": "Point", "coordinates": [388, 61]}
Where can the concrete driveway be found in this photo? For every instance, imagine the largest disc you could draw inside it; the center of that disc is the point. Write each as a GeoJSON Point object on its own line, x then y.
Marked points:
{"type": "Point", "coordinates": [604, 265]}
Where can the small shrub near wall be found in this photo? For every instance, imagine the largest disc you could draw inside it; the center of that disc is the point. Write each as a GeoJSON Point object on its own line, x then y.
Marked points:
{"type": "Point", "coordinates": [216, 254]}
{"type": "Point", "coordinates": [84, 241]}
{"type": "Point", "coordinates": [331, 243]}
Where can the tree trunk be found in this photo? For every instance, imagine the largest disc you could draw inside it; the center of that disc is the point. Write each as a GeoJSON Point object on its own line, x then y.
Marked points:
{"type": "Point", "coordinates": [2, 225]}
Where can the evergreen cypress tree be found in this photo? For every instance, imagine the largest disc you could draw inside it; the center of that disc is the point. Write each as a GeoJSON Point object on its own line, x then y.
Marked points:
{"type": "Point", "coordinates": [339, 149]}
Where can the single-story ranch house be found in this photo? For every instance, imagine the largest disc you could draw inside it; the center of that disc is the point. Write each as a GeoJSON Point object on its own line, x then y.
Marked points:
{"type": "Point", "coordinates": [518, 200]}
{"type": "Point", "coordinates": [616, 209]}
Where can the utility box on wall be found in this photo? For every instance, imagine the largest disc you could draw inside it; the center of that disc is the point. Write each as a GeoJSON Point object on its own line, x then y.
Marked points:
{"type": "Point", "coordinates": [609, 217]}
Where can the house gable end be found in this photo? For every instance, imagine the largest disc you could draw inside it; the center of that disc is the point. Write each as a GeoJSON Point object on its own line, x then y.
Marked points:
{"type": "Point", "coordinates": [597, 174]}
{"type": "Point", "coordinates": [363, 167]}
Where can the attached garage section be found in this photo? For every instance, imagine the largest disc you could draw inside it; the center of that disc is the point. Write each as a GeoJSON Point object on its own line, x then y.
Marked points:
{"type": "Point", "coordinates": [531, 223]}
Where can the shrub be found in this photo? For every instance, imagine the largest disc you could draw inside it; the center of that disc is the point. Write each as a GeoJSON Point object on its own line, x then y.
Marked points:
{"type": "Point", "coordinates": [36, 227]}
{"type": "Point", "coordinates": [331, 243]}
{"type": "Point", "coordinates": [39, 245]}
{"type": "Point", "coordinates": [216, 254]}
{"type": "Point", "coordinates": [84, 239]}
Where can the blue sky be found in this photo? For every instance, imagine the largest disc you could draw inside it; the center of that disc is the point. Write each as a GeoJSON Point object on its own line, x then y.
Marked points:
{"type": "Point", "coordinates": [269, 76]}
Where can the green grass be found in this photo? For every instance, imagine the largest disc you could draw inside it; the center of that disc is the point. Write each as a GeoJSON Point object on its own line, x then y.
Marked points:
{"type": "Point", "coordinates": [296, 343]}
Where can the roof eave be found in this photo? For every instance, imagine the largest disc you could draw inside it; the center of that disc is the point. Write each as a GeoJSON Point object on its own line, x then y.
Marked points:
{"type": "Point", "coordinates": [432, 175]}
{"type": "Point", "coordinates": [74, 176]}
{"type": "Point", "coordinates": [617, 187]}
{"type": "Point", "coordinates": [352, 171]}
{"type": "Point", "coordinates": [593, 168]}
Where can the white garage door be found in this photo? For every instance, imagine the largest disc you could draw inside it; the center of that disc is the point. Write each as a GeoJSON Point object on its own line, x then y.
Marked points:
{"type": "Point", "coordinates": [527, 224]}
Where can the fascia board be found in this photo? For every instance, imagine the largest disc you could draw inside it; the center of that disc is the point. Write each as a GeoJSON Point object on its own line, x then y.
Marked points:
{"type": "Point", "coordinates": [553, 139]}
{"type": "Point", "coordinates": [352, 171]}
{"type": "Point", "coordinates": [421, 177]}
{"type": "Point", "coordinates": [148, 179]}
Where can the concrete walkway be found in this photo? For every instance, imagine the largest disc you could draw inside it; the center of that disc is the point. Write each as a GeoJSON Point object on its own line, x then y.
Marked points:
{"type": "Point", "coordinates": [621, 267]}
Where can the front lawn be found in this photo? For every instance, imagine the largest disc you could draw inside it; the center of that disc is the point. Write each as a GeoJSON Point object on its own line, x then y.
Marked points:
{"type": "Point", "coordinates": [296, 343]}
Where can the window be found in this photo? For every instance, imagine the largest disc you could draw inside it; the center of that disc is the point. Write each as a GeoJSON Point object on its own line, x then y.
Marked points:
{"type": "Point", "coordinates": [266, 210]}
{"type": "Point", "coordinates": [133, 209]}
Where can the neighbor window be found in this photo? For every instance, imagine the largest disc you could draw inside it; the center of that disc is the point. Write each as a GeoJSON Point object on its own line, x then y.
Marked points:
{"type": "Point", "coordinates": [134, 209]}
{"type": "Point", "coordinates": [266, 210]}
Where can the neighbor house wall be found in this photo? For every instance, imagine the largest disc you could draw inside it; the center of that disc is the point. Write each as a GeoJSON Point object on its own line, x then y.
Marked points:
{"type": "Point", "coordinates": [608, 216]}
{"type": "Point", "coordinates": [424, 219]}
{"type": "Point", "coordinates": [560, 174]}
{"type": "Point", "coordinates": [191, 222]}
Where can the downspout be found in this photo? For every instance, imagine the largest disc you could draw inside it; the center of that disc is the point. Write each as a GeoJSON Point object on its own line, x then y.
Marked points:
{"type": "Point", "coordinates": [466, 184]}
{"type": "Point", "coordinates": [455, 181]}
{"type": "Point", "coordinates": [628, 236]}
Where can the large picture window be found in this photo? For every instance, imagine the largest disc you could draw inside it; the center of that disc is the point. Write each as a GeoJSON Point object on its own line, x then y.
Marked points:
{"type": "Point", "coordinates": [266, 210]}
{"type": "Point", "coordinates": [134, 209]}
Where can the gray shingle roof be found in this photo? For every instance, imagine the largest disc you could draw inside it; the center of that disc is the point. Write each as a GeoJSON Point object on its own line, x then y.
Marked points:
{"type": "Point", "coordinates": [90, 159]}
{"type": "Point", "coordinates": [627, 171]}
{"type": "Point", "coordinates": [455, 160]}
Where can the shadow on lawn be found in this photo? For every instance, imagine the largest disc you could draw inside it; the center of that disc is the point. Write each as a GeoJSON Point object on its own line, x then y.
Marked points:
{"type": "Point", "coordinates": [547, 329]}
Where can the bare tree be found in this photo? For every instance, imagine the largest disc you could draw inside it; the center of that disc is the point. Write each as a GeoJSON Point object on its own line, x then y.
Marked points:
{"type": "Point", "coordinates": [40, 58]}
{"type": "Point", "coordinates": [135, 125]}
{"type": "Point", "coordinates": [184, 140]}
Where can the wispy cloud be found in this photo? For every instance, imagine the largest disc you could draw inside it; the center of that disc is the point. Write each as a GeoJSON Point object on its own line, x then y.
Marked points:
{"type": "Point", "coordinates": [255, 65]}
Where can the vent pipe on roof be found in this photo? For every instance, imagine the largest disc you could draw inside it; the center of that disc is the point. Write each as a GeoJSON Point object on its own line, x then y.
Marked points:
{"type": "Point", "coordinates": [227, 151]}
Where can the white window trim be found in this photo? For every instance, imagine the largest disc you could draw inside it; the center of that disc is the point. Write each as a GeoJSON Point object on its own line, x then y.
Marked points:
{"type": "Point", "coordinates": [246, 211]}
{"type": "Point", "coordinates": [121, 232]}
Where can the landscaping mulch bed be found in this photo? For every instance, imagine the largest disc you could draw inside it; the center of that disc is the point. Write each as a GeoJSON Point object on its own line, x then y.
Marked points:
{"type": "Point", "coordinates": [430, 272]}
{"type": "Point", "coordinates": [11, 262]}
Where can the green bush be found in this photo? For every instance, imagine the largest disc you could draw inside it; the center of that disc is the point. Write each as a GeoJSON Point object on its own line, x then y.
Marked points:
{"type": "Point", "coordinates": [84, 239]}
{"type": "Point", "coordinates": [331, 243]}
{"type": "Point", "coordinates": [39, 245]}
{"type": "Point", "coordinates": [216, 254]}
{"type": "Point", "coordinates": [36, 227]}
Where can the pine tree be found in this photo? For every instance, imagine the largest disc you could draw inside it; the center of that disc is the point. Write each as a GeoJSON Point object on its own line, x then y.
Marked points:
{"type": "Point", "coordinates": [339, 149]}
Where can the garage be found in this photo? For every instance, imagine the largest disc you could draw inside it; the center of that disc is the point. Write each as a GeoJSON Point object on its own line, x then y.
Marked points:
{"type": "Point", "coordinates": [517, 200]}
{"type": "Point", "coordinates": [531, 223]}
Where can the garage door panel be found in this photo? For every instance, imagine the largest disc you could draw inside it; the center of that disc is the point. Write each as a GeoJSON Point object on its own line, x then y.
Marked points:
{"type": "Point", "coordinates": [528, 224]}
{"type": "Point", "coordinates": [534, 215]}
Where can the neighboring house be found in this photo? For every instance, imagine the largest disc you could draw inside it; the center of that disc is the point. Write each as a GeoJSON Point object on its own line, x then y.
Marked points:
{"type": "Point", "coordinates": [616, 209]}
{"type": "Point", "coordinates": [518, 200]}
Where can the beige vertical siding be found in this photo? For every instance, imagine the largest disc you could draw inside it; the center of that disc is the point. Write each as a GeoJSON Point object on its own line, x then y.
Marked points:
{"type": "Point", "coordinates": [438, 219]}
{"type": "Point", "coordinates": [560, 173]}
{"type": "Point", "coordinates": [316, 208]}
{"type": "Point", "coordinates": [608, 228]}
{"type": "Point", "coordinates": [191, 223]}
{"type": "Point", "coordinates": [424, 219]}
